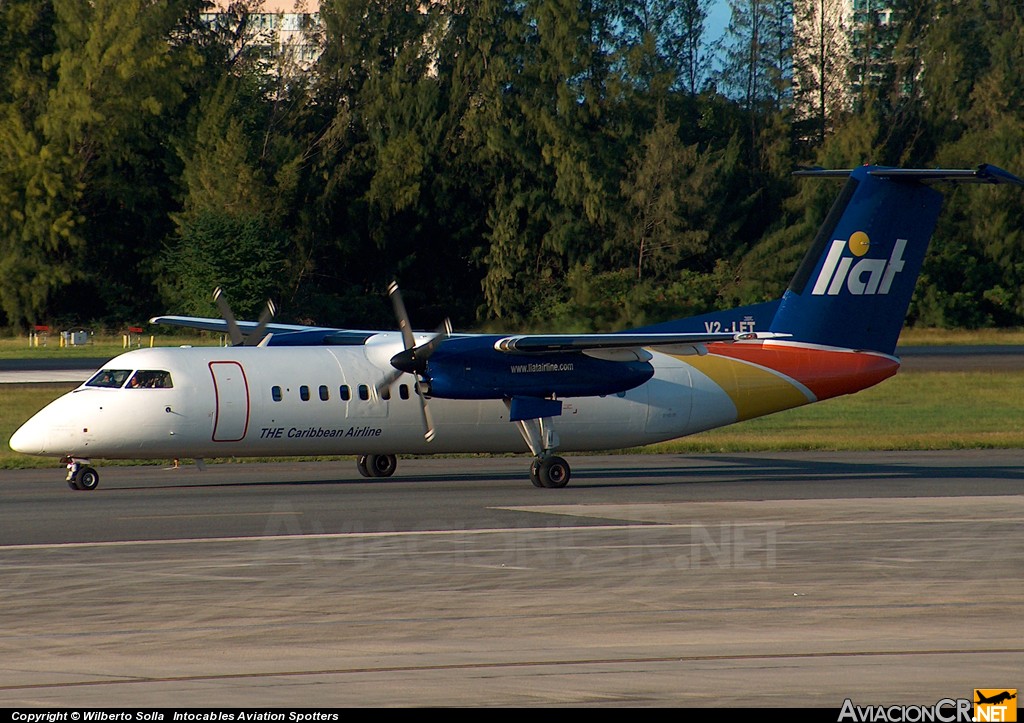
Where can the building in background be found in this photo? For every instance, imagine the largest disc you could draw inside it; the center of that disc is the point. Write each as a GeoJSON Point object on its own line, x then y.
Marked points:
{"type": "Point", "coordinates": [282, 36]}
{"type": "Point", "coordinates": [841, 49]}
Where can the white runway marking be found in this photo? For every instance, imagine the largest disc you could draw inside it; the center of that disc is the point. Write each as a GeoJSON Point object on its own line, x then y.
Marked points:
{"type": "Point", "coordinates": [332, 536]}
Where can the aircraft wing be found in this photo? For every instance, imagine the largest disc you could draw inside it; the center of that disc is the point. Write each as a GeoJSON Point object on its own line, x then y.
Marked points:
{"type": "Point", "coordinates": [564, 343]}
{"type": "Point", "coordinates": [221, 326]}
{"type": "Point", "coordinates": [293, 334]}
{"type": "Point", "coordinates": [273, 334]}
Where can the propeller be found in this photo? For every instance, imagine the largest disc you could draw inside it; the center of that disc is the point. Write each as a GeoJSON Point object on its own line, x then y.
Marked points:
{"type": "Point", "coordinates": [413, 359]}
{"type": "Point", "coordinates": [238, 338]}
{"type": "Point", "coordinates": [260, 332]}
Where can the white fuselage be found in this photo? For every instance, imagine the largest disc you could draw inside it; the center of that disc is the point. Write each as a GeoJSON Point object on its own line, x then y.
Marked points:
{"type": "Point", "coordinates": [282, 401]}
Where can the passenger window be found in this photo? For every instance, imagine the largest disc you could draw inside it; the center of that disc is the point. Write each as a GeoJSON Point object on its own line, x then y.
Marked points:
{"type": "Point", "coordinates": [345, 393]}
{"type": "Point", "coordinates": [324, 394]}
{"type": "Point", "coordinates": [386, 394]}
{"type": "Point", "coordinates": [275, 392]}
{"type": "Point", "coordinates": [364, 392]}
{"type": "Point", "coordinates": [304, 393]}
{"type": "Point", "coordinates": [403, 391]}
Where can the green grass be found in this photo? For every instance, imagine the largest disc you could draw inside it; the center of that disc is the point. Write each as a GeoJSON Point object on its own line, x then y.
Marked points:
{"type": "Point", "coordinates": [953, 337]}
{"type": "Point", "coordinates": [18, 402]}
{"type": "Point", "coordinates": [98, 347]}
{"type": "Point", "coordinates": [913, 410]}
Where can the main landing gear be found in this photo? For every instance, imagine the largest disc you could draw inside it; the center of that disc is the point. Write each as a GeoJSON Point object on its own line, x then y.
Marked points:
{"type": "Point", "coordinates": [80, 475]}
{"type": "Point", "coordinates": [546, 470]}
{"type": "Point", "coordinates": [376, 465]}
{"type": "Point", "coordinates": [550, 471]}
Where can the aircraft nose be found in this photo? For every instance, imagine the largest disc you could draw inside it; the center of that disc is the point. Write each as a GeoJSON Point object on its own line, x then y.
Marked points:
{"type": "Point", "coordinates": [30, 438]}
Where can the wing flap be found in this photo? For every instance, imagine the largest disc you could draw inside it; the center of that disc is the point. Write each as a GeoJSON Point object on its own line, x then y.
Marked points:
{"type": "Point", "coordinates": [626, 354]}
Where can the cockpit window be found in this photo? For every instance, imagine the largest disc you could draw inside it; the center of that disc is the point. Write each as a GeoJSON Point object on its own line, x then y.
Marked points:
{"type": "Point", "coordinates": [111, 378]}
{"type": "Point", "coordinates": [150, 379]}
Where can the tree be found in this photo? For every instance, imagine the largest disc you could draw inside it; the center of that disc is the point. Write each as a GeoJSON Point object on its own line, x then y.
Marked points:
{"type": "Point", "coordinates": [243, 254]}
{"type": "Point", "coordinates": [122, 69]}
{"type": "Point", "coordinates": [820, 64]}
{"type": "Point", "coordinates": [403, 184]}
{"type": "Point", "coordinates": [93, 92]}
{"type": "Point", "coordinates": [688, 43]}
{"type": "Point", "coordinates": [39, 216]}
{"type": "Point", "coordinates": [662, 43]}
{"type": "Point", "coordinates": [974, 274]}
{"type": "Point", "coordinates": [757, 66]}
{"type": "Point", "coordinates": [554, 145]}
{"type": "Point", "coordinates": [230, 232]}
{"type": "Point", "coordinates": [666, 191]}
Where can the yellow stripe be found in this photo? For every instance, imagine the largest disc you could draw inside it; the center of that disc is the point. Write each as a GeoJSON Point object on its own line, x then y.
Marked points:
{"type": "Point", "coordinates": [754, 391]}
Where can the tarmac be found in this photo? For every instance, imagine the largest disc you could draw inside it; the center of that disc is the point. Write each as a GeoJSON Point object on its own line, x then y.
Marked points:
{"type": "Point", "coordinates": [745, 580]}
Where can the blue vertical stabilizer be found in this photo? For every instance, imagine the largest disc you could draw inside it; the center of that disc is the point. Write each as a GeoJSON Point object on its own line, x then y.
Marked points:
{"type": "Point", "coordinates": [854, 286]}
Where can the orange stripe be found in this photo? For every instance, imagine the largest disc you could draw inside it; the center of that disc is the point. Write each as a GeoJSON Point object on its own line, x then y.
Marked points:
{"type": "Point", "coordinates": [827, 373]}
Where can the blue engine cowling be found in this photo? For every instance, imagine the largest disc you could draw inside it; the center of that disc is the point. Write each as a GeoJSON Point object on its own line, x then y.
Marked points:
{"type": "Point", "coordinates": [470, 368]}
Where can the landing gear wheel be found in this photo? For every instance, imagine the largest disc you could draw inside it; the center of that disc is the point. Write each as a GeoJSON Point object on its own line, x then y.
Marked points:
{"type": "Point", "coordinates": [361, 466]}
{"type": "Point", "coordinates": [86, 478]}
{"type": "Point", "coordinates": [535, 473]}
{"type": "Point", "coordinates": [381, 465]}
{"type": "Point", "coordinates": [553, 472]}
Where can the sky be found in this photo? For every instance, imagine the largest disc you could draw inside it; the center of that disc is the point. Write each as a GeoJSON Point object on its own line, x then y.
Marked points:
{"type": "Point", "coordinates": [718, 18]}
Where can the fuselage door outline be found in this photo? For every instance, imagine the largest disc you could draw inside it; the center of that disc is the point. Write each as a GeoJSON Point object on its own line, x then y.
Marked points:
{"type": "Point", "coordinates": [231, 401]}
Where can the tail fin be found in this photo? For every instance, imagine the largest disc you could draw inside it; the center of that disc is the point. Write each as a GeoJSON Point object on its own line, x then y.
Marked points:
{"type": "Point", "coordinates": [854, 286]}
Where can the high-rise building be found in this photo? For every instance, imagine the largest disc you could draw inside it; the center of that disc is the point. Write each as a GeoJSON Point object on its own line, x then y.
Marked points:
{"type": "Point", "coordinates": [873, 33]}
{"type": "Point", "coordinates": [841, 48]}
{"type": "Point", "coordinates": [282, 35]}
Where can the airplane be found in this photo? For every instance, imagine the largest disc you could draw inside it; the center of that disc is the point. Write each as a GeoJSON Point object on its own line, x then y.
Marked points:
{"type": "Point", "coordinates": [285, 390]}
{"type": "Point", "coordinates": [995, 699]}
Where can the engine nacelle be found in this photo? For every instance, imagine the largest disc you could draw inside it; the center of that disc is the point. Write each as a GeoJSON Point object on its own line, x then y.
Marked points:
{"type": "Point", "coordinates": [470, 368]}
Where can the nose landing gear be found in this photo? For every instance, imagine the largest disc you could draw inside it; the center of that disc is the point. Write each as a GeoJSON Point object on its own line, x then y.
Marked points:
{"type": "Point", "coordinates": [80, 475]}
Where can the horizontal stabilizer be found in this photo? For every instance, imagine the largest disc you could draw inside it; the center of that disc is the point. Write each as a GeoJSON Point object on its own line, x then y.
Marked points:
{"type": "Point", "coordinates": [984, 173]}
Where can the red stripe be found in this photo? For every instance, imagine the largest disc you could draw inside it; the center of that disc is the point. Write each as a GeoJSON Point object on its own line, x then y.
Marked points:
{"type": "Point", "coordinates": [827, 373]}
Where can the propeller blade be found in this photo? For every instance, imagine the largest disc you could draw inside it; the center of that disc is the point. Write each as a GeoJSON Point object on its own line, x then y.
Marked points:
{"type": "Point", "coordinates": [266, 317]}
{"type": "Point", "coordinates": [234, 333]}
{"type": "Point", "coordinates": [423, 352]}
{"type": "Point", "coordinates": [402, 315]}
{"type": "Point", "coordinates": [428, 419]}
{"type": "Point", "coordinates": [427, 348]}
{"type": "Point", "coordinates": [389, 379]}
{"type": "Point", "coordinates": [413, 359]}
